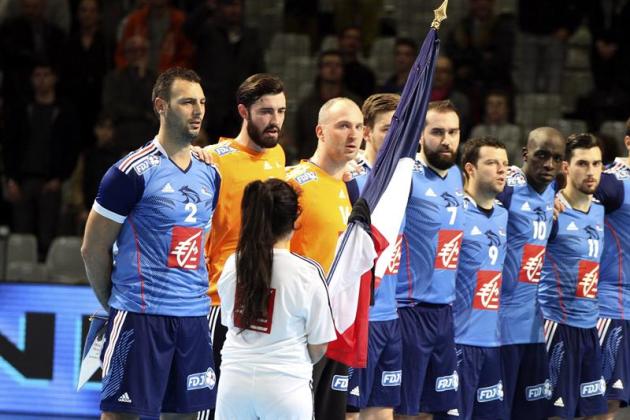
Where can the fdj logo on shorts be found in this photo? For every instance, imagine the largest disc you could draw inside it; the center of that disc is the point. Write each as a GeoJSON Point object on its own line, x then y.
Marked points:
{"type": "Point", "coordinates": [340, 383]}
{"type": "Point", "coordinates": [447, 383]}
{"type": "Point", "coordinates": [206, 379]}
{"type": "Point", "coordinates": [490, 393]}
{"type": "Point", "coordinates": [391, 378]}
{"type": "Point", "coordinates": [538, 392]}
{"type": "Point", "coordinates": [590, 389]}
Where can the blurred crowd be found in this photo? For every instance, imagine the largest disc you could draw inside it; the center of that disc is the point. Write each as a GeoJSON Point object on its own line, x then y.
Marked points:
{"type": "Point", "coordinates": [76, 77]}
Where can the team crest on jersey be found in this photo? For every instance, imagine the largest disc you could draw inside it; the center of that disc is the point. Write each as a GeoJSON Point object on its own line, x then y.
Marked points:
{"type": "Point", "coordinates": [531, 263]}
{"type": "Point", "coordinates": [488, 290]}
{"type": "Point", "coordinates": [143, 165]}
{"type": "Point", "coordinates": [185, 251]}
{"type": "Point", "coordinates": [449, 244]}
{"type": "Point", "coordinates": [515, 177]}
{"type": "Point", "coordinates": [588, 276]}
{"type": "Point", "coordinates": [394, 263]}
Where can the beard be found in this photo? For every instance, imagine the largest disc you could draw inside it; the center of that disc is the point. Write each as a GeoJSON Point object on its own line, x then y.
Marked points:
{"type": "Point", "coordinates": [259, 137]}
{"type": "Point", "coordinates": [585, 189]}
{"type": "Point", "coordinates": [436, 160]}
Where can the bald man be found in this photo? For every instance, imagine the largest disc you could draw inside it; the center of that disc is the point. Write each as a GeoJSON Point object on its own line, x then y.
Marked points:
{"type": "Point", "coordinates": [325, 209]}
{"type": "Point", "coordinates": [529, 197]}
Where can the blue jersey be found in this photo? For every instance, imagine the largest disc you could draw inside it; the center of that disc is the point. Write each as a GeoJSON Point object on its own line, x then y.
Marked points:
{"type": "Point", "coordinates": [433, 232]}
{"type": "Point", "coordinates": [165, 212]}
{"type": "Point", "coordinates": [384, 308]}
{"type": "Point", "coordinates": [614, 280]}
{"type": "Point", "coordinates": [478, 285]}
{"type": "Point", "coordinates": [529, 225]}
{"type": "Point", "coordinates": [568, 285]}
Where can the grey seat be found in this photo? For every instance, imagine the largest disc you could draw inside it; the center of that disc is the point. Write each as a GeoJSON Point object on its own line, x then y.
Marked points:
{"type": "Point", "coordinates": [64, 262]}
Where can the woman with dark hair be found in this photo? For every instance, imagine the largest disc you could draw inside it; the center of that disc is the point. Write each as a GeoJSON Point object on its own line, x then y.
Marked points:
{"type": "Point", "coordinates": [275, 306]}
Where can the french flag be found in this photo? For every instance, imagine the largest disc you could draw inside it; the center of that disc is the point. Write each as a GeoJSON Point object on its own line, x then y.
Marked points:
{"type": "Point", "coordinates": [366, 246]}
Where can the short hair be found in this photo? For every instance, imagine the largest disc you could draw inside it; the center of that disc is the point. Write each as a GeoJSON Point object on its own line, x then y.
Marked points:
{"type": "Point", "coordinates": [377, 104]}
{"type": "Point", "coordinates": [323, 111]}
{"type": "Point", "coordinates": [579, 141]}
{"type": "Point", "coordinates": [628, 127]}
{"type": "Point", "coordinates": [320, 57]}
{"type": "Point", "coordinates": [408, 42]}
{"type": "Point", "coordinates": [442, 107]}
{"type": "Point", "coordinates": [347, 28]}
{"type": "Point", "coordinates": [470, 150]}
{"type": "Point", "coordinates": [499, 92]}
{"type": "Point", "coordinates": [164, 82]}
{"type": "Point", "coordinates": [257, 86]}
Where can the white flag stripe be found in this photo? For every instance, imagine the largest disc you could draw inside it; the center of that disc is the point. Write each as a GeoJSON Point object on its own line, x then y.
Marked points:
{"type": "Point", "coordinates": [344, 291]}
{"type": "Point", "coordinates": [390, 210]}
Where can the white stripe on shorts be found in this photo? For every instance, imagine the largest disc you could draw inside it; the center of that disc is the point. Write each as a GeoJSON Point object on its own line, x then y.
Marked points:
{"type": "Point", "coordinates": [213, 318]}
{"type": "Point", "coordinates": [119, 320]}
{"type": "Point", "coordinates": [550, 331]}
{"type": "Point", "coordinates": [602, 328]}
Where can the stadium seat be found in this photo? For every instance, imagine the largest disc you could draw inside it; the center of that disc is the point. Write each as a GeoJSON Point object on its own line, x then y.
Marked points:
{"type": "Point", "coordinates": [330, 42]}
{"type": "Point", "coordinates": [568, 127]}
{"type": "Point", "coordinates": [21, 260]}
{"type": "Point", "coordinates": [535, 109]}
{"type": "Point", "coordinates": [291, 45]}
{"type": "Point", "coordinates": [64, 262]}
{"type": "Point", "coordinates": [382, 58]}
{"type": "Point", "coordinates": [615, 129]}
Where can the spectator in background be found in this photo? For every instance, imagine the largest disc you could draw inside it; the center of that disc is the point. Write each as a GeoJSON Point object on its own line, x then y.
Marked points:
{"type": "Point", "coordinates": [126, 97]}
{"type": "Point", "coordinates": [405, 52]}
{"type": "Point", "coordinates": [83, 84]}
{"type": "Point", "coordinates": [328, 84]}
{"type": "Point", "coordinates": [357, 77]}
{"type": "Point", "coordinates": [545, 26]}
{"type": "Point", "coordinates": [55, 11]}
{"type": "Point", "coordinates": [161, 25]}
{"type": "Point", "coordinates": [227, 53]}
{"type": "Point", "coordinates": [444, 88]}
{"type": "Point", "coordinates": [25, 40]}
{"type": "Point", "coordinates": [480, 46]}
{"type": "Point", "coordinates": [41, 147]}
{"type": "Point", "coordinates": [496, 124]}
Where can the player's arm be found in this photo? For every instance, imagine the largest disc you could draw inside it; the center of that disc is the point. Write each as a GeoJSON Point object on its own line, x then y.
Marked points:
{"type": "Point", "coordinates": [316, 351]}
{"type": "Point", "coordinates": [610, 192]}
{"type": "Point", "coordinates": [100, 234]}
{"type": "Point", "coordinates": [117, 195]}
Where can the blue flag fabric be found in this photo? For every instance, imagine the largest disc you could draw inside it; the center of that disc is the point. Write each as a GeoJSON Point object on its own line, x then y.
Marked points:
{"type": "Point", "coordinates": [385, 195]}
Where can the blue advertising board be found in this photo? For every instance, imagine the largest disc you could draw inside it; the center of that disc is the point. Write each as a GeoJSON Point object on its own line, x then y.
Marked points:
{"type": "Point", "coordinates": [42, 329]}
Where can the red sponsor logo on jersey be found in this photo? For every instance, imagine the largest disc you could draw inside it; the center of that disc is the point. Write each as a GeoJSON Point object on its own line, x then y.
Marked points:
{"type": "Point", "coordinates": [394, 263]}
{"type": "Point", "coordinates": [262, 324]}
{"type": "Point", "coordinates": [588, 276]}
{"type": "Point", "coordinates": [185, 249]}
{"type": "Point", "coordinates": [449, 243]}
{"type": "Point", "coordinates": [531, 264]}
{"type": "Point", "coordinates": [488, 290]}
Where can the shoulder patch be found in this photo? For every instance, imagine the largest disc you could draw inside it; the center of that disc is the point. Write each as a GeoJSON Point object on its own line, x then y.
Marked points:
{"type": "Point", "coordinates": [222, 149]}
{"type": "Point", "coordinates": [145, 164]}
{"type": "Point", "coordinates": [418, 166]}
{"type": "Point", "coordinates": [515, 177]}
{"type": "Point", "coordinates": [305, 177]}
{"type": "Point", "coordinates": [619, 171]}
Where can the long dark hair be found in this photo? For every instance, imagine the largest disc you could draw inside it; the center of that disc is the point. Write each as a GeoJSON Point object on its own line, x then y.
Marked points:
{"type": "Point", "coordinates": [269, 210]}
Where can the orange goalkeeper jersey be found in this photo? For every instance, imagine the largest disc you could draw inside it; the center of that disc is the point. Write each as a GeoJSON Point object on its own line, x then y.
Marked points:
{"type": "Point", "coordinates": [325, 209]}
{"type": "Point", "coordinates": [238, 166]}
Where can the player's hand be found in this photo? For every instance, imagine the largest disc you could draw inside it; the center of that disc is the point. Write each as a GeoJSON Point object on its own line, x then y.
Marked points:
{"type": "Point", "coordinates": [558, 208]}
{"type": "Point", "coordinates": [202, 154]}
{"type": "Point", "coordinates": [352, 169]}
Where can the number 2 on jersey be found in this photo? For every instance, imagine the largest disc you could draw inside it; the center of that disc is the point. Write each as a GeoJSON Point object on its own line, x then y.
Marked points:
{"type": "Point", "coordinates": [192, 208]}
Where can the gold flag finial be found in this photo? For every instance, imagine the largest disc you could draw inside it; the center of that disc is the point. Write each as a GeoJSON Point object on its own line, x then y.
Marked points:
{"type": "Point", "coordinates": [440, 15]}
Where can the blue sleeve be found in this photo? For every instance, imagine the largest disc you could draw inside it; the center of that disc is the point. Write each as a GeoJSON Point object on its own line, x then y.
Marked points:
{"type": "Point", "coordinates": [610, 192]}
{"type": "Point", "coordinates": [217, 187]}
{"type": "Point", "coordinates": [118, 194]}
{"type": "Point", "coordinates": [505, 196]}
{"type": "Point", "coordinates": [554, 230]}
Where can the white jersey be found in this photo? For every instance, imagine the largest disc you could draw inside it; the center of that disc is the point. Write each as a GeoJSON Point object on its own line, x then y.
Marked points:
{"type": "Point", "coordinates": [300, 315]}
